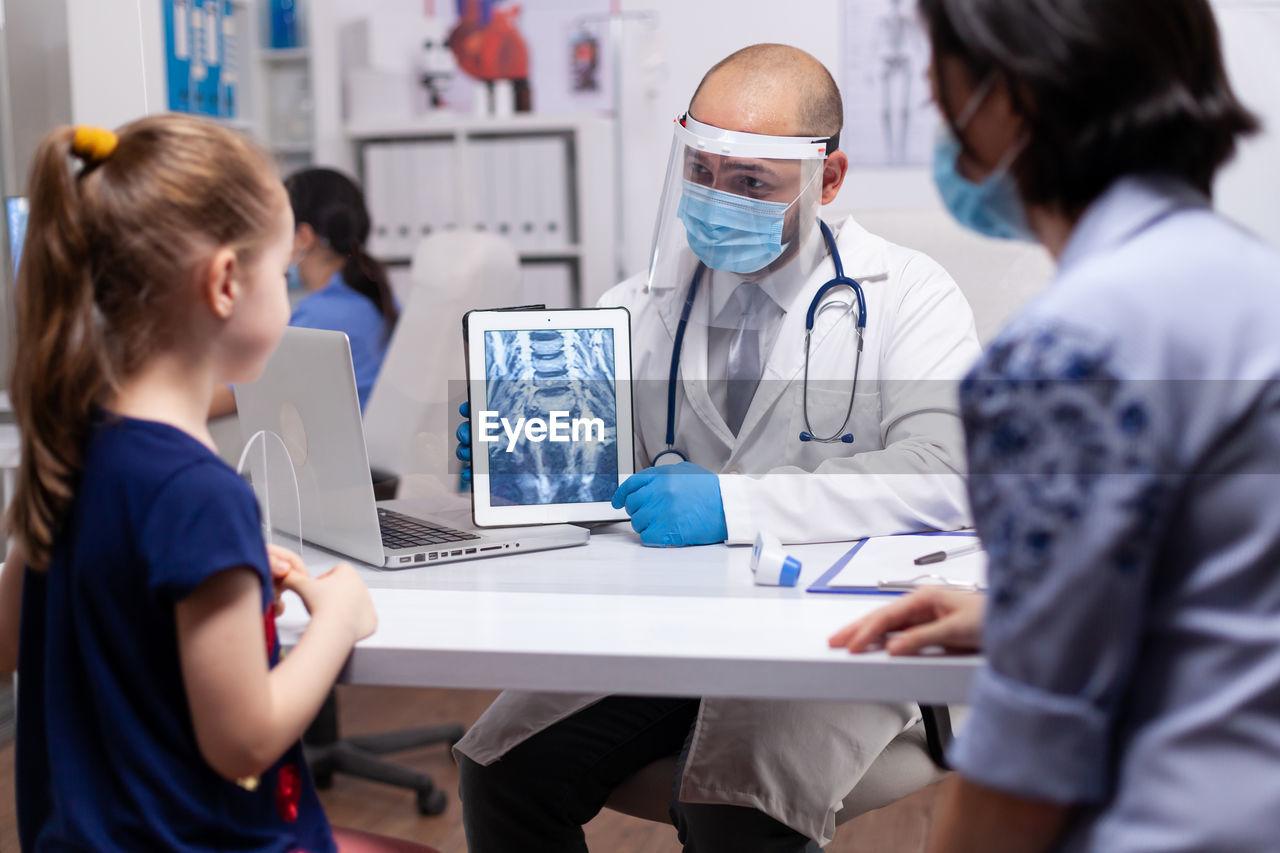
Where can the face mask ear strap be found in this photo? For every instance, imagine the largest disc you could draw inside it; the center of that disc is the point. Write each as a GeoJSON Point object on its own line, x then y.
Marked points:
{"type": "Point", "coordinates": [976, 100]}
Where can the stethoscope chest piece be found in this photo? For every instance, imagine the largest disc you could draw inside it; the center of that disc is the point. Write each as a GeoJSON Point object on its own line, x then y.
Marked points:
{"type": "Point", "coordinates": [670, 456]}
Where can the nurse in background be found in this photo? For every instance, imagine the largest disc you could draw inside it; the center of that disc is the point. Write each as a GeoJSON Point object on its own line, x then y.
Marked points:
{"type": "Point", "coordinates": [347, 290]}
{"type": "Point", "coordinates": [1123, 438]}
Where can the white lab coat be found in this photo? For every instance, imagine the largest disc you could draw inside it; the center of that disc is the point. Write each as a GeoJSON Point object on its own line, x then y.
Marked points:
{"type": "Point", "coordinates": [904, 470]}
{"type": "Point", "coordinates": [796, 761]}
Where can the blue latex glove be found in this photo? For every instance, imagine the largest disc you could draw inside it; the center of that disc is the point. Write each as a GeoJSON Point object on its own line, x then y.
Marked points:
{"type": "Point", "coordinates": [463, 450]}
{"type": "Point", "coordinates": [674, 505]}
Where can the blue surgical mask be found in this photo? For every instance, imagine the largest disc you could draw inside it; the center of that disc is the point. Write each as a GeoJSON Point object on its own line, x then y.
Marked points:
{"type": "Point", "coordinates": [294, 277]}
{"type": "Point", "coordinates": [732, 232]}
{"type": "Point", "coordinates": [993, 207]}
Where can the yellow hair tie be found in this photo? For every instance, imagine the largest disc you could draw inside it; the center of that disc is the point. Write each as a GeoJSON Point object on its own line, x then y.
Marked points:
{"type": "Point", "coordinates": [93, 144]}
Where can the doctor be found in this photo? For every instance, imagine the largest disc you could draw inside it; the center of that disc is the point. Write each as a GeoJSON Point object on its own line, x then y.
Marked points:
{"type": "Point", "coordinates": [753, 160]}
{"type": "Point", "coordinates": [844, 431]}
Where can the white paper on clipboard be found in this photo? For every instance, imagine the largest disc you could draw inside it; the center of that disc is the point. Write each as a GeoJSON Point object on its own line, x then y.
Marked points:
{"type": "Point", "coordinates": [890, 560]}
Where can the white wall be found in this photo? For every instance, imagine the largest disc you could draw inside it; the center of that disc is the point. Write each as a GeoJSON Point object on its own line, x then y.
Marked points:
{"type": "Point", "coordinates": [77, 61]}
{"type": "Point", "coordinates": [1249, 189]}
{"type": "Point", "coordinates": [117, 60]}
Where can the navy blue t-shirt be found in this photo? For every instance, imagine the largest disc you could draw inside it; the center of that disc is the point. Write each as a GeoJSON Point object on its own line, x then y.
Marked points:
{"type": "Point", "coordinates": [106, 752]}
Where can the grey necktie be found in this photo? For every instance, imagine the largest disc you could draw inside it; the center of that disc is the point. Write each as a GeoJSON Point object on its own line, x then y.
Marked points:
{"type": "Point", "coordinates": [744, 366]}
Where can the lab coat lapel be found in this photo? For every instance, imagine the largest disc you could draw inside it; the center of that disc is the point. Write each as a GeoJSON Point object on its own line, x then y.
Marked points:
{"type": "Point", "coordinates": [863, 257]}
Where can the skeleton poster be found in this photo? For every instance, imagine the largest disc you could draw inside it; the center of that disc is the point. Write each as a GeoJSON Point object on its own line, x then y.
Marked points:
{"type": "Point", "coordinates": [889, 119]}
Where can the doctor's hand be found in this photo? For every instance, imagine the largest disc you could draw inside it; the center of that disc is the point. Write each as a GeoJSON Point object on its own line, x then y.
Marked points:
{"type": "Point", "coordinates": [929, 616]}
{"type": "Point", "coordinates": [463, 450]}
{"type": "Point", "coordinates": [674, 505]}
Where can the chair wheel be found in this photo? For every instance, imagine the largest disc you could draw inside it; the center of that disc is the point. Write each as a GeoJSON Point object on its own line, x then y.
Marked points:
{"type": "Point", "coordinates": [432, 802]}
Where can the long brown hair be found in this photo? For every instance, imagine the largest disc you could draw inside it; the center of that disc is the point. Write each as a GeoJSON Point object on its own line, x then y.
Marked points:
{"type": "Point", "coordinates": [114, 245]}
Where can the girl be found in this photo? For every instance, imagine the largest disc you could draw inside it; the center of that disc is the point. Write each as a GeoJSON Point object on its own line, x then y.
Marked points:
{"type": "Point", "coordinates": [153, 714]}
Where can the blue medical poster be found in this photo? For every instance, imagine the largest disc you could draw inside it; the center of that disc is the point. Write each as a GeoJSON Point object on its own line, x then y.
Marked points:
{"type": "Point", "coordinates": [177, 43]}
{"type": "Point", "coordinates": [201, 58]}
{"type": "Point", "coordinates": [551, 424]}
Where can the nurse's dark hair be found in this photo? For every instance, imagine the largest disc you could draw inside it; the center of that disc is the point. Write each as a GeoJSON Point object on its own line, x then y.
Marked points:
{"type": "Point", "coordinates": [1107, 88]}
{"type": "Point", "coordinates": [334, 206]}
{"type": "Point", "coordinates": [115, 253]}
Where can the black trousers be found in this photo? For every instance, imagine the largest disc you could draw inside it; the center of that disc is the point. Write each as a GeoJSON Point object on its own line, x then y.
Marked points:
{"type": "Point", "coordinates": [538, 796]}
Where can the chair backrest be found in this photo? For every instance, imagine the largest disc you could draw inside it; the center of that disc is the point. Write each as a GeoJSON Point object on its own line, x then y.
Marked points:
{"type": "Point", "coordinates": [412, 412]}
{"type": "Point", "coordinates": [996, 276]}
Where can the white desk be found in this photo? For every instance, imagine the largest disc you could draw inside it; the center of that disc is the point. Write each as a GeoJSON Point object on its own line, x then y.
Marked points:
{"type": "Point", "coordinates": [616, 617]}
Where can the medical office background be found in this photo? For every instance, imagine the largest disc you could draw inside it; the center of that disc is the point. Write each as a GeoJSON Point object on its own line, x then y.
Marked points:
{"type": "Point", "coordinates": [572, 183]}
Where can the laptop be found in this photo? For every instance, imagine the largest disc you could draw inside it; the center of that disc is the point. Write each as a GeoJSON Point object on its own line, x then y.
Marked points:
{"type": "Point", "coordinates": [307, 396]}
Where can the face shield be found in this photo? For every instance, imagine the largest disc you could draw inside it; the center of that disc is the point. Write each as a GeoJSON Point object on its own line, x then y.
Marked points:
{"type": "Point", "coordinates": [742, 203]}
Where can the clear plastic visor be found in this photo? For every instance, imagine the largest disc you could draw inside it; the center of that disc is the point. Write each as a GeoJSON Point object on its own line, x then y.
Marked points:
{"type": "Point", "coordinates": [747, 216]}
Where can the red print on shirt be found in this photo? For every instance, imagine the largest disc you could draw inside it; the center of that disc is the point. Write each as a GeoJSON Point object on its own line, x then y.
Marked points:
{"type": "Point", "coordinates": [269, 623]}
{"type": "Point", "coordinates": [288, 790]}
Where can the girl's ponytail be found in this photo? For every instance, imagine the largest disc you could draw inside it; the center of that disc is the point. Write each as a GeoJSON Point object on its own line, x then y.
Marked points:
{"type": "Point", "coordinates": [61, 370]}
{"type": "Point", "coordinates": [118, 231]}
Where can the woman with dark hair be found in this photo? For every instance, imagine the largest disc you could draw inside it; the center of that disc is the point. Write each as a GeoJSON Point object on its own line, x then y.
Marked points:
{"type": "Point", "coordinates": [347, 290]}
{"type": "Point", "coordinates": [1123, 438]}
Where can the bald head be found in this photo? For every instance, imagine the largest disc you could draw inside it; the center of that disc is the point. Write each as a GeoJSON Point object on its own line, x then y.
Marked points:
{"type": "Point", "coordinates": [773, 89]}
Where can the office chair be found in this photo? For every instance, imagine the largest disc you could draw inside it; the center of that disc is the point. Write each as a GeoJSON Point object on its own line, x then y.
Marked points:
{"type": "Point", "coordinates": [412, 413]}
{"type": "Point", "coordinates": [360, 756]}
{"type": "Point", "coordinates": [911, 761]}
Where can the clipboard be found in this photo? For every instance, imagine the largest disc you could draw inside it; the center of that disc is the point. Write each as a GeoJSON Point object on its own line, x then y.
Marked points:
{"type": "Point", "coordinates": [897, 580]}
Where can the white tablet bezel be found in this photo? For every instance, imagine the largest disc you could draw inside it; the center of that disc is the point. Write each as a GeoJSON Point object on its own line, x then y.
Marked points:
{"type": "Point", "coordinates": [480, 322]}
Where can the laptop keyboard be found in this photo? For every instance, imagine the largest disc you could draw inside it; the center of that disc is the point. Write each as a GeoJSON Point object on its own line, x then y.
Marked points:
{"type": "Point", "coordinates": [402, 531]}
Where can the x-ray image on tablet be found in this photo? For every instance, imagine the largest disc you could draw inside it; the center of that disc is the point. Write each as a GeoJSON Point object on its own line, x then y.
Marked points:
{"type": "Point", "coordinates": [564, 379]}
{"type": "Point", "coordinates": [553, 431]}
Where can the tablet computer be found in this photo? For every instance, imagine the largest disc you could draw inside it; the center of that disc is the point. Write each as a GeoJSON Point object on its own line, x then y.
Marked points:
{"type": "Point", "coordinates": [551, 428]}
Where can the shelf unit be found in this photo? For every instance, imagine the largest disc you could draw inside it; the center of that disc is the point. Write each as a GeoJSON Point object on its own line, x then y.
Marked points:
{"type": "Point", "coordinates": [460, 172]}
{"type": "Point", "coordinates": [278, 93]}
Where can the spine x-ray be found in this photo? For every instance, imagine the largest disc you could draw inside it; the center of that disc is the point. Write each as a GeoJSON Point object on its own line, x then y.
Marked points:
{"type": "Point", "coordinates": [535, 376]}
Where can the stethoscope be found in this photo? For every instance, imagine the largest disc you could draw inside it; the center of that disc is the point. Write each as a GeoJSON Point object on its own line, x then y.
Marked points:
{"type": "Point", "coordinates": [841, 280]}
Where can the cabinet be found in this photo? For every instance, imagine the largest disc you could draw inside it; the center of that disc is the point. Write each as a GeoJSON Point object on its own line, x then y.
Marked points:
{"type": "Point", "coordinates": [279, 99]}
{"type": "Point", "coordinates": [545, 184]}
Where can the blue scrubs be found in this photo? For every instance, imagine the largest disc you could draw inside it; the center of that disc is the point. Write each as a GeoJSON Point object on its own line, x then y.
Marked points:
{"type": "Point", "coordinates": [1124, 446]}
{"type": "Point", "coordinates": [339, 308]}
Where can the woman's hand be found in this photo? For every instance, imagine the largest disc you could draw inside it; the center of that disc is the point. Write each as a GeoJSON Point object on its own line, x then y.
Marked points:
{"type": "Point", "coordinates": [929, 616]}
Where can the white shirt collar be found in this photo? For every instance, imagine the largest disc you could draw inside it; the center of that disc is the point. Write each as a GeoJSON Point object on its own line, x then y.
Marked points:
{"type": "Point", "coordinates": [782, 286]}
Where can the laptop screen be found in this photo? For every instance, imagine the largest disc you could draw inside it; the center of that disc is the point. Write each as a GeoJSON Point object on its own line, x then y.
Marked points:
{"type": "Point", "coordinates": [552, 411]}
{"type": "Point", "coordinates": [16, 210]}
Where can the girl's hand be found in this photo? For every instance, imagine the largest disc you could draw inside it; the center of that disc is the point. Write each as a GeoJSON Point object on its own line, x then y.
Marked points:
{"type": "Point", "coordinates": [929, 616]}
{"type": "Point", "coordinates": [283, 561]}
{"type": "Point", "coordinates": [338, 595]}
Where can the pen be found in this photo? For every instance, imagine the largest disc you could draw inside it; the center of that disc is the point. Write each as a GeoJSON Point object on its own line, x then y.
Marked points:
{"type": "Point", "coordinates": [939, 556]}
